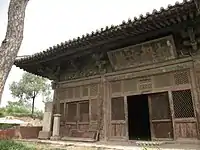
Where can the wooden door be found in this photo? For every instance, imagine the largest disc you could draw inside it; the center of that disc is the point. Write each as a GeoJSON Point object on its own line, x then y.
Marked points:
{"type": "Point", "coordinates": [118, 126]}
{"type": "Point", "coordinates": [160, 116]}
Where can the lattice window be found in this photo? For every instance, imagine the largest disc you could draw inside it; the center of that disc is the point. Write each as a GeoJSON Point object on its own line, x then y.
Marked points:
{"type": "Point", "coordinates": [181, 77]}
{"type": "Point", "coordinates": [94, 109]}
{"type": "Point", "coordinates": [117, 108]}
{"type": "Point", "coordinates": [85, 90]}
{"type": "Point", "coordinates": [116, 86]}
{"type": "Point", "coordinates": [162, 80]}
{"type": "Point", "coordinates": [84, 112]}
{"type": "Point", "coordinates": [62, 110]}
{"type": "Point", "coordinates": [77, 92]}
{"type": "Point", "coordinates": [72, 112]}
{"type": "Point", "coordinates": [183, 105]}
{"type": "Point", "coordinates": [160, 106]}
{"type": "Point", "coordinates": [93, 89]}
{"type": "Point", "coordinates": [130, 85]}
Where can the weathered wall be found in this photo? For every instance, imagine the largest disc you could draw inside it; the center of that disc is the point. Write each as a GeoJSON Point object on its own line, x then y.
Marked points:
{"type": "Point", "coordinates": [28, 132]}
{"type": "Point", "coordinates": [20, 132]}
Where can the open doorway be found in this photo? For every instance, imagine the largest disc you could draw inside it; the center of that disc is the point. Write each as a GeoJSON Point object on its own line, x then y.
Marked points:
{"type": "Point", "coordinates": [138, 118]}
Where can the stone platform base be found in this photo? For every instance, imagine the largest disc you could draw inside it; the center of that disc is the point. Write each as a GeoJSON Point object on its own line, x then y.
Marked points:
{"type": "Point", "coordinates": [44, 135]}
{"type": "Point", "coordinates": [55, 138]}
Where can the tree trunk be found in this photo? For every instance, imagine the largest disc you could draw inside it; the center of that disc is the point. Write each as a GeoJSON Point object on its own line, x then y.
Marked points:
{"type": "Point", "coordinates": [33, 106]}
{"type": "Point", "coordinates": [13, 39]}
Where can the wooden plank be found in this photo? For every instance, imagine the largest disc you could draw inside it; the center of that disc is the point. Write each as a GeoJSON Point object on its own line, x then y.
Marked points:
{"type": "Point", "coordinates": [118, 130]}
{"type": "Point", "coordinates": [118, 121]}
{"type": "Point", "coordinates": [162, 120]}
{"type": "Point", "coordinates": [186, 130]}
{"type": "Point", "coordinates": [177, 120]}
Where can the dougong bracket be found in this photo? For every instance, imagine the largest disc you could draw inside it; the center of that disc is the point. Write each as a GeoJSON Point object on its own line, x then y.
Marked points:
{"type": "Point", "coordinates": [192, 37]}
{"type": "Point", "coordinates": [197, 3]}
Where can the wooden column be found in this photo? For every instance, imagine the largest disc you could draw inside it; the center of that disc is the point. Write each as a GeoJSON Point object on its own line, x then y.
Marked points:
{"type": "Point", "coordinates": [126, 117]}
{"type": "Point", "coordinates": [101, 113]}
{"type": "Point", "coordinates": [105, 110]}
{"type": "Point", "coordinates": [172, 113]}
{"type": "Point", "coordinates": [195, 77]}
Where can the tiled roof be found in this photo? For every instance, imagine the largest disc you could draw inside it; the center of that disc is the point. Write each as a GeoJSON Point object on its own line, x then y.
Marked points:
{"type": "Point", "coordinates": [151, 21]}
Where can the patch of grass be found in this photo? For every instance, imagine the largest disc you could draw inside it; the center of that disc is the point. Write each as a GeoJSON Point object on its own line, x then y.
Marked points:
{"type": "Point", "coordinates": [13, 145]}
{"type": "Point", "coordinates": [19, 145]}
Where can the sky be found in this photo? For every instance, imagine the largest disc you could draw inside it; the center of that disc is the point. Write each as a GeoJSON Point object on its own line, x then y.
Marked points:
{"type": "Point", "coordinates": [50, 22]}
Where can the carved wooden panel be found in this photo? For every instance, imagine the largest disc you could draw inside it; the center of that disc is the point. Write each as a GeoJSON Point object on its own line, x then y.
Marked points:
{"type": "Point", "coordinates": [66, 129]}
{"type": "Point", "coordinates": [160, 106]}
{"type": "Point", "coordinates": [93, 89]}
{"type": "Point", "coordinates": [162, 80]}
{"type": "Point", "coordinates": [70, 93]}
{"type": "Point", "coordinates": [117, 108]}
{"type": "Point", "coordinates": [84, 111]}
{"type": "Point", "coordinates": [186, 130]}
{"type": "Point", "coordinates": [85, 90]}
{"type": "Point", "coordinates": [130, 85]}
{"type": "Point", "coordinates": [72, 112]}
{"type": "Point", "coordinates": [118, 130]}
{"type": "Point", "coordinates": [145, 84]}
{"type": "Point", "coordinates": [83, 127]}
{"type": "Point", "coordinates": [149, 52]}
{"type": "Point", "coordinates": [94, 109]}
{"type": "Point", "coordinates": [61, 94]}
{"type": "Point", "coordinates": [77, 92]}
{"type": "Point", "coordinates": [93, 126]}
{"type": "Point", "coordinates": [183, 105]}
{"type": "Point", "coordinates": [163, 129]}
{"type": "Point", "coordinates": [62, 111]}
{"type": "Point", "coordinates": [83, 134]}
{"type": "Point", "coordinates": [181, 77]}
{"type": "Point", "coordinates": [116, 86]}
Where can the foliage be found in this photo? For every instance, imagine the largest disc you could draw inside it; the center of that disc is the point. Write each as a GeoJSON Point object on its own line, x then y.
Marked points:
{"type": "Point", "coordinates": [47, 94]}
{"type": "Point", "coordinates": [2, 112]}
{"type": "Point", "coordinates": [12, 145]}
{"type": "Point", "coordinates": [6, 126]}
{"type": "Point", "coordinates": [18, 109]}
{"type": "Point", "coordinates": [28, 88]}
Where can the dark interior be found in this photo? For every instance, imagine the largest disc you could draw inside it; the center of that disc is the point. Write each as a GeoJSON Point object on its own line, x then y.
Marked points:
{"type": "Point", "coordinates": [138, 118]}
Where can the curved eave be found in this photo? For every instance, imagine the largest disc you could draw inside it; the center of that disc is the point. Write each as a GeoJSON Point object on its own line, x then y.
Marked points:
{"type": "Point", "coordinates": [163, 18]}
{"type": "Point", "coordinates": [32, 69]}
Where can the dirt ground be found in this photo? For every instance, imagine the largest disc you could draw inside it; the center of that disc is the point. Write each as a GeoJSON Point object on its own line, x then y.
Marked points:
{"type": "Point", "coordinates": [64, 145]}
